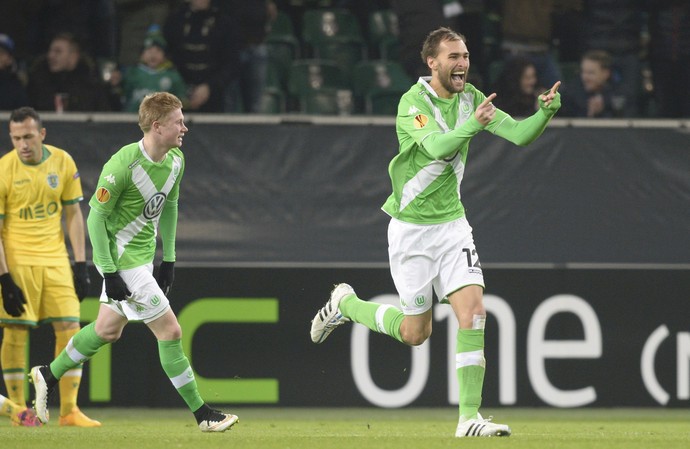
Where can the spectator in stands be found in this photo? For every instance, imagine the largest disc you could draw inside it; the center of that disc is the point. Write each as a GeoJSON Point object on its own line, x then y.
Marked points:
{"type": "Point", "coordinates": [66, 79]}
{"type": "Point", "coordinates": [12, 92]}
{"type": "Point", "coordinates": [516, 88]}
{"type": "Point", "coordinates": [592, 95]}
{"type": "Point", "coordinates": [526, 29]}
{"type": "Point", "coordinates": [669, 53]}
{"type": "Point", "coordinates": [616, 27]}
{"type": "Point", "coordinates": [91, 22]}
{"type": "Point", "coordinates": [254, 19]}
{"type": "Point", "coordinates": [154, 73]}
{"type": "Point", "coordinates": [134, 18]}
{"type": "Point", "coordinates": [203, 43]}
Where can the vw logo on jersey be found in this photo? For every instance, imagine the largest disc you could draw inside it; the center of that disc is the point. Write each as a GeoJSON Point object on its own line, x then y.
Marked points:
{"type": "Point", "coordinates": [154, 206]}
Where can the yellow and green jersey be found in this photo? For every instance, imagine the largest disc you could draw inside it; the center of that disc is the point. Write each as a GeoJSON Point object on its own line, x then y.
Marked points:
{"type": "Point", "coordinates": [31, 200]}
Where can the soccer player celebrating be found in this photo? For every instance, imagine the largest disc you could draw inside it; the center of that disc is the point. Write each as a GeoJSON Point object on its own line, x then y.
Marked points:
{"type": "Point", "coordinates": [39, 183]}
{"type": "Point", "coordinates": [430, 240]}
{"type": "Point", "coordinates": [137, 194]}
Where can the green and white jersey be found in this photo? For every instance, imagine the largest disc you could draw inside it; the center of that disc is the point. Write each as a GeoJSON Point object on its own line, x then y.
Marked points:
{"type": "Point", "coordinates": [434, 135]}
{"type": "Point", "coordinates": [132, 194]}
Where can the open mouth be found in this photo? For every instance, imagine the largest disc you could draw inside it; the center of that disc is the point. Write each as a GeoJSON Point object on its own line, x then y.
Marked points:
{"type": "Point", "coordinates": [458, 77]}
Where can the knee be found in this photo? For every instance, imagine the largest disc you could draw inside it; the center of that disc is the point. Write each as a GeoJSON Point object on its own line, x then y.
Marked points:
{"type": "Point", "coordinates": [109, 337]}
{"type": "Point", "coordinates": [175, 332]}
{"type": "Point", "coordinates": [172, 331]}
{"type": "Point", "coordinates": [415, 337]}
{"type": "Point", "coordinates": [109, 334]}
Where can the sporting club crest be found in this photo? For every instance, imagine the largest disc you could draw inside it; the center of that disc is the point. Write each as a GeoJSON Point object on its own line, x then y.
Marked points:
{"type": "Point", "coordinates": [52, 180]}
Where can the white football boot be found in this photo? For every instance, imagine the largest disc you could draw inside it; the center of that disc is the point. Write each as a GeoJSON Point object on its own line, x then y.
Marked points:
{"type": "Point", "coordinates": [329, 317]}
{"type": "Point", "coordinates": [217, 421]}
{"type": "Point", "coordinates": [480, 427]}
{"type": "Point", "coordinates": [41, 387]}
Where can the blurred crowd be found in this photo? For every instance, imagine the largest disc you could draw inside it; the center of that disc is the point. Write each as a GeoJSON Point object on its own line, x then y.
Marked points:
{"type": "Point", "coordinates": [615, 58]}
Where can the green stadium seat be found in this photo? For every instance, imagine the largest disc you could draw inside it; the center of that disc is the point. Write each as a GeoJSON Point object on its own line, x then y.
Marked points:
{"type": "Point", "coordinates": [313, 74]}
{"type": "Point", "coordinates": [345, 53]}
{"type": "Point", "coordinates": [383, 103]}
{"type": "Point", "coordinates": [283, 46]}
{"type": "Point", "coordinates": [383, 34]}
{"type": "Point", "coordinates": [327, 101]}
{"type": "Point", "coordinates": [379, 84]}
{"type": "Point", "coordinates": [310, 76]}
{"type": "Point", "coordinates": [273, 101]}
{"type": "Point", "coordinates": [324, 25]}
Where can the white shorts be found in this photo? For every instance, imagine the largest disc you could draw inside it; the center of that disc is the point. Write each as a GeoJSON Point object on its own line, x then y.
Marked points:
{"type": "Point", "coordinates": [147, 302]}
{"type": "Point", "coordinates": [441, 257]}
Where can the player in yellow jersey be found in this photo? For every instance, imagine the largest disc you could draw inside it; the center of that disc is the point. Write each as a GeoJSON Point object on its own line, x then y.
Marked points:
{"type": "Point", "coordinates": [38, 184]}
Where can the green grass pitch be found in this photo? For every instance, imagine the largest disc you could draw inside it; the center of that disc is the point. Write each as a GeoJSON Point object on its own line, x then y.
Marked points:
{"type": "Point", "coordinates": [362, 428]}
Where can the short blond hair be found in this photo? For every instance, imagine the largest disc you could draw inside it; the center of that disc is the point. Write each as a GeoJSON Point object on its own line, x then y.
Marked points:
{"type": "Point", "coordinates": [434, 39]}
{"type": "Point", "coordinates": [155, 106]}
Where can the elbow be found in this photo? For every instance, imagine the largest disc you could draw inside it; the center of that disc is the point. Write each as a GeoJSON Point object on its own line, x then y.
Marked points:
{"type": "Point", "coordinates": [525, 139]}
{"type": "Point", "coordinates": [523, 142]}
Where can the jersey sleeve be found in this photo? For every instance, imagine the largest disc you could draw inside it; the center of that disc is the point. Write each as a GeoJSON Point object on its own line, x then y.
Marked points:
{"type": "Point", "coordinates": [73, 192]}
{"type": "Point", "coordinates": [416, 120]}
{"type": "Point", "coordinates": [526, 131]}
{"type": "Point", "coordinates": [3, 190]}
{"type": "Point", "coordinates": [111, 181]}
{"type": "Point", "coordinates": [168, 221]}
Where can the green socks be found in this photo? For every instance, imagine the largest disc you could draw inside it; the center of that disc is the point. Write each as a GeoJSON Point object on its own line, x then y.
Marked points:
{"type": "Point", "coordinates": [85, 344]}
{"type": "Point", "coordinates": [176, 366]}
{"type": "Point", "coordinates": [80, 348]}
{"type": "Point", "coordinates": [470, 364]}
{"type": "Point", "coordinates": [381, 318]}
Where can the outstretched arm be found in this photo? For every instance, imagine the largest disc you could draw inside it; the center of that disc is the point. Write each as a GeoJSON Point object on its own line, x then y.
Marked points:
{"type": "Point", "coordinates": [526, 131]}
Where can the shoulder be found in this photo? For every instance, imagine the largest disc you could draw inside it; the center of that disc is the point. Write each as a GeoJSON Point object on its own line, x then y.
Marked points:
{"type": "Point", "coordinates": [8, 164]}
{"type": "Point", "coordinates": [125, 156]}
{"type": "Point", "coordinates": [58, 153]}
{"type": "Point", "coordinates": [413, 100]}
{"type": "Point", "coordinates": [8, 157]}
{"type": "Point", "coordinates": [176, 152]}
{"type": "Point", "coordinates": [414, 93]}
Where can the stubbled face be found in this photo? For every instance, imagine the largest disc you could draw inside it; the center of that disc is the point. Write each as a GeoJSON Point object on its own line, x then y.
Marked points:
{"type": "Point", "coordinates": [449, 68]}
{"type": "Point", "coordinates": [173, 129]}
{"type": "Point", "coordinates": [528, 80]}
{"type": "Point", "coordinates": [27, 138]}
{"type": "Point", "coordinates": [593, 75]}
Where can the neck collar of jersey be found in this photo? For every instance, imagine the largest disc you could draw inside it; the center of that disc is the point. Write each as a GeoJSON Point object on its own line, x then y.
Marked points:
{"type": "Point", "coordinates": [44, 156]}
{"type": "Point", "coordinates": [425, 80]}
